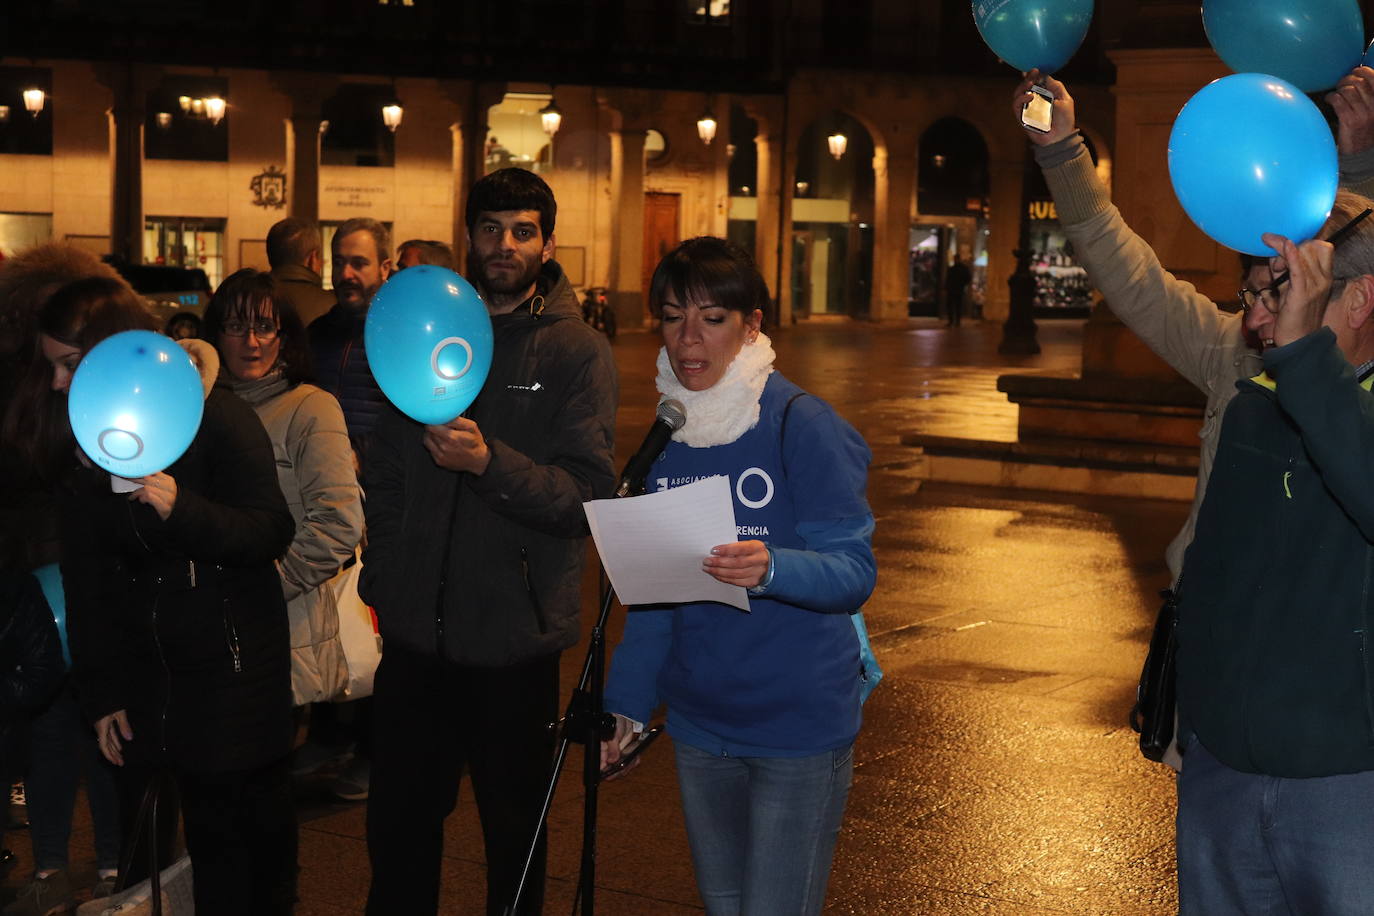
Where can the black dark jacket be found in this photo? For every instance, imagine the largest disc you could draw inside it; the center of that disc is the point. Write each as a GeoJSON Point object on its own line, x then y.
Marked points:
{"type": "Point", "coordinates": [1276, 656]}
{"type": "Point", "coordinates": [182, 623]}
{"type": "Point", "coordinates": [341, 368]}
{"type": "Point", "coordinates": [31, 666]}
{"type": "Point", "coordinates": [514, 564]}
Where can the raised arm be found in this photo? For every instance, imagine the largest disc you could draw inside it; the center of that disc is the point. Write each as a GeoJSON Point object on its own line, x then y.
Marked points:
{"type": "Point", "coordinates": [1182, 326]}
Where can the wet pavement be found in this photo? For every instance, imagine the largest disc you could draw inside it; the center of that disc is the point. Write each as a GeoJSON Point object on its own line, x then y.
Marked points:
{"type": "Point", "coordinates": [995, 772]}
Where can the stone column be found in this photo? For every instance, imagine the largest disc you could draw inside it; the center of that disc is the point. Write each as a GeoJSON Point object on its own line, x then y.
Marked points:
{"type": "Point", "coordinates": [307, 93]}
{"type": "Point", "coordinates": [627, 229]}
{"type": "Point", "coordinates": [473, 101]}
{"type": "Point", "coordinates": [129, 85]}
{"type": "Point", "coordinates": [768, 200]}
{"type": "Point", "coordinates": [894, 170]}
{"type": "Point", "coordinates": [1006, 178]}
{"type": "Point", "coordinates": [303, 165]}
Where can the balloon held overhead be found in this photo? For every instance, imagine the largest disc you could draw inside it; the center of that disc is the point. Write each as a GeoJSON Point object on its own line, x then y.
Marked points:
{"type": "Point", "coordinates": [1249, 154]}
{"type": "Point", "coordinates": [1033, 34]}
{"type": "Point", "coordinates": [1309, 43]}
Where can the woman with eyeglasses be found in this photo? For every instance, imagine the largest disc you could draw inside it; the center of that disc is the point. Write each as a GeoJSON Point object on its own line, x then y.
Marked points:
{"type": "Point", "coordinates": [175, 618]}
{"type": "Point", "coordinates": [266, 361]}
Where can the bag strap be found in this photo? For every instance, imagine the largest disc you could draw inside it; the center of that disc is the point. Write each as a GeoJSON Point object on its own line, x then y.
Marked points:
{"type": "Point", "coordinates": [782, 432]}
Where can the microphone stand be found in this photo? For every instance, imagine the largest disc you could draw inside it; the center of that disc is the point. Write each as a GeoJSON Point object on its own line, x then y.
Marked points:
{"type": "Point", "coordinates": [587, 723]}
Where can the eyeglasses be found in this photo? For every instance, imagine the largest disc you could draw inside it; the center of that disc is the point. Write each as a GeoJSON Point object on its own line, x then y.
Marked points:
{"type": "Point", "coordinates": [1268, 296]}
{"type": "Point", "coordinates": [263, 329]}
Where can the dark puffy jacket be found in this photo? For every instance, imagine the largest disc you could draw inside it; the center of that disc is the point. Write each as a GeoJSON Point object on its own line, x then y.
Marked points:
{"type": "Point", "coordinates": [182, 623]}
{"type": "Point", "coordinates": [514, 566]}
{"type": "Point", "coordinates": [31, 666]}
{"type": "Point", "coordinates": [336, 345]}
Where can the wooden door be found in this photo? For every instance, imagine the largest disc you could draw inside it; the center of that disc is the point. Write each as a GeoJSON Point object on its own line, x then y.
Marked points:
{"type": "Point", "coordinates": [660, 232]}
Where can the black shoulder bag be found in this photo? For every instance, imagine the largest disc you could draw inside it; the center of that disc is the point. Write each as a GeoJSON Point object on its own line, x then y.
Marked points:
{"type": "Point", "coordinates": [1157, 695]}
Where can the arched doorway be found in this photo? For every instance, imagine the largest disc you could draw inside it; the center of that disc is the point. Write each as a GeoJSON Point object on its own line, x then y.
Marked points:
{"type": "Point", "coordinates": [952, 190]}
{"type": "Point", "coordinates": [832, 218]}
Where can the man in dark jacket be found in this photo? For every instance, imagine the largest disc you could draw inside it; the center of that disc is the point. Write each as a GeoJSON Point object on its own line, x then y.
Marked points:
{"type": "Point", "coordinates": [1275, 660]}
{"type": "Point", "coordinates": [361, 253]}
{"type": "Point", "coordinates": [294, 251]}
{"type": "Point", "coordinates": [474, 558]}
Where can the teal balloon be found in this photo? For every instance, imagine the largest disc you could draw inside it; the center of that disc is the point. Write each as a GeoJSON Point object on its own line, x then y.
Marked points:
{"type": "Point", "coordinates": [1251, 154]}
{"type": "Point", "coordinates": [1031, 34]}
{"type": "Point", "coordinates": [429, 342]}
{"type": "Point", "coordinates": [50, 581]}
{"type": "Point", "coordinates": [1309, 43]}
{"type": "Point", "coordinates": [135, 403]}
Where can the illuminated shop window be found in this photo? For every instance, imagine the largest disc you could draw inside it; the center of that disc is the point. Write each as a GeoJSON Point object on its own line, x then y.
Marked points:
{"type": "Point", "coordinates": [184, 241]}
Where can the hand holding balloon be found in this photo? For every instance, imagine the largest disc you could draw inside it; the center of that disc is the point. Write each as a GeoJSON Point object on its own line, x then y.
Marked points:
{"type": "Point", "coordinates": [1353, 102]}
{"type": "Point", "coordinates": [159, 491]}
{"type": "Point", "coordinates": [1063, 118]}
{"type": "Point", "coordinates": [1303, 299]}
{"type": "Point", "coordinates": [458, 445]}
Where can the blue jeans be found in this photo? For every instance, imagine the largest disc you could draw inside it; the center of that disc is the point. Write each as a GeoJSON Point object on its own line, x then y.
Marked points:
{"type": "Point", "coordinates": [763, 829]}
{"type": "Point", "coordinates": [1269, 846]}
{"type": "Point", "coordinates": [62, 748]}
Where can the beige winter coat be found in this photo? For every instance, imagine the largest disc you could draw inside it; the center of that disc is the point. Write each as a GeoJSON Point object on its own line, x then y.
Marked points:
{"type": "Point", "coordinates": [315, 469]}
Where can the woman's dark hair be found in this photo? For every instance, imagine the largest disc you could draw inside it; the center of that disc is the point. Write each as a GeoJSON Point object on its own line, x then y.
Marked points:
{"type": "Point", "coordinates": [248, 293]}
{"type": "Point", "coordinates": [711, 270]}
{"type": "Point", "coordinates": [80, 315]}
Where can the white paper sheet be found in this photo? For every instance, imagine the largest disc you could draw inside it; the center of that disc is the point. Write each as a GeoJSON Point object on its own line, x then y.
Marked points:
{"type": "Point", "coordinates": [652, 545]}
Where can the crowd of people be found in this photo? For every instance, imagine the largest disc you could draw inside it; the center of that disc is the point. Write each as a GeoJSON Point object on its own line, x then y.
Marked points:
{"type": "Point", "coordinates": [200, 610]}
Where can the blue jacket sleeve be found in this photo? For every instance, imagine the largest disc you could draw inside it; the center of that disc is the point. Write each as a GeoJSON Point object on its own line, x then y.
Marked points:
{"type": "Point", "coordinates": [834, 574]}
{"type": "Point", "coordinates": [632, 686]}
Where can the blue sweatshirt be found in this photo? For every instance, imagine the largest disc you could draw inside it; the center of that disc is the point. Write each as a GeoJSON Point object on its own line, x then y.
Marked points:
{"type": "Point", "coordinates": [782, 680]}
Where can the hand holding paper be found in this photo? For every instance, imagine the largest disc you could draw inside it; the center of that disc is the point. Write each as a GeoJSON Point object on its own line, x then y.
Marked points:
{"type": "Point", "coordinates": [654, 546]}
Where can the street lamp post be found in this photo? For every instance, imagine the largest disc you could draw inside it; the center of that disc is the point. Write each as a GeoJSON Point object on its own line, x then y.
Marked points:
{"type": "Point", "coordinates": [1019, 330]}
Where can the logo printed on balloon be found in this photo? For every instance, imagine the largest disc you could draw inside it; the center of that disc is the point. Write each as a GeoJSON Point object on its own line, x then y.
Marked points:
{"type": "Point", "coordinates": [135, 403]}
{"type": "Point", "coordinates": [429, 343]}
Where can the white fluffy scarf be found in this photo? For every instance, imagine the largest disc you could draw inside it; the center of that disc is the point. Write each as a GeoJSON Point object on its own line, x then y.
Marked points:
{"type": "Point", "coordinates": [729, 408]}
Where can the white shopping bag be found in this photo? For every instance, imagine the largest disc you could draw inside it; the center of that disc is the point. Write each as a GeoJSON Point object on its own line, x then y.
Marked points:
{"type": "Point", "coordinates": [362, 644]}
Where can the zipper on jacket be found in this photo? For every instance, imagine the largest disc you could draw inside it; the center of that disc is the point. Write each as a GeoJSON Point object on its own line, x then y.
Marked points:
{"type": "Point", "coordinates": [343, 365]}
{"type": "Point", "coordinates": [231, 637]}
{"type": "Point", "coordinates": [529, 587]}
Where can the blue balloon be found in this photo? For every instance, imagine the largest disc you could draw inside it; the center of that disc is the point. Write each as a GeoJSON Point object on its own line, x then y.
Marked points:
{"type": "Point", "coordinates": [50, 581]}
{"type": "Point", "coordinates": [1030, 34]}
{"type": "Point", "coordinates": [135, 403]}
{"type": "Point", "coordinates": [1250, 154]}
{"type": "Point", "coordinates": [429, 342]}
{"type": "Point", "coordinates": [1309, 43]}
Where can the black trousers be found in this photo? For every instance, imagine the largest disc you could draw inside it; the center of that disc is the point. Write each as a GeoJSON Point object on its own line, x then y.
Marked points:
{"type": "Point", "coordinates": [240, 832]}
{"type": "Point", "coordinates": [431, 720]}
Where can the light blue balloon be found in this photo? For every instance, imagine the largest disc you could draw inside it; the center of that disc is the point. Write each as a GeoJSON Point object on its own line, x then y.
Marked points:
{"type": "Point", "coordinates": [1309, 43]}
{"type": "Point", "coordinates": [135, 403]}
{"type": "Point", "coordinates": [50, 581]}
{"type": "Point", "coordinates": [1030, 34]}
{"type": "Point", "coordinates": [1250, 154]}
{"type": "Point", "coordinates": [429, 343]}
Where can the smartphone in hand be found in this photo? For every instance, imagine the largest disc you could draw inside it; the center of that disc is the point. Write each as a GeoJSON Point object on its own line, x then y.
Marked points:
{"type": "Point", "coordinates": [1038, 113]}
{"type": "Point", "coordinates": [632, 750]}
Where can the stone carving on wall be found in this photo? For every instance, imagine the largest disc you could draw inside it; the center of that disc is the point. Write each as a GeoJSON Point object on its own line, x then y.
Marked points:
{"type": "Point", "coordinates": [269, 188]}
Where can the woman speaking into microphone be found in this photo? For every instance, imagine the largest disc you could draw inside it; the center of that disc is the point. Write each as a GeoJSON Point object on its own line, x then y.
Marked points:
{"type": "Point", "coordinates": [763, 706]}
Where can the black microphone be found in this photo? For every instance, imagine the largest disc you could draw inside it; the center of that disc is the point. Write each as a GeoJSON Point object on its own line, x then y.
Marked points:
{"type": "Point", "coordinates": [671, 416]}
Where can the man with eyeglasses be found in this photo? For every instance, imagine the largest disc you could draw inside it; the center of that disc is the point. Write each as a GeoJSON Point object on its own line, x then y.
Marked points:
{"type": "Point", "coordinates": [1275, 664]}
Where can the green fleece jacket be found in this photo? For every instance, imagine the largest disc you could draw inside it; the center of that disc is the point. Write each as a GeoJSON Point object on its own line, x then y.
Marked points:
{"type": "Point", "coordinates": [1274, 657]}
